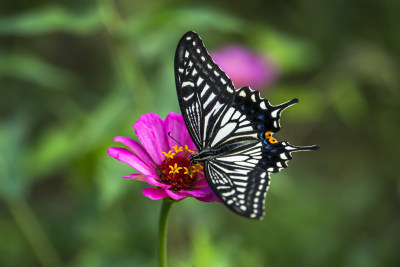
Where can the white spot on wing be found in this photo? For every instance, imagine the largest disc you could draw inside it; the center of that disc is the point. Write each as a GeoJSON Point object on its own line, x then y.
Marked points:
{"type": "Point", "coordinates": [234, 158]}
{"type": "Point", "coordinates": [236, 115]}
{"type": "Point", "coordinates": [227, 194]}
{"type": "Point", "coordinates": [210, 98]}
{"type": "Point", "coordinates": [187, 84]}
{"type": "Point", "coordinates": [224, 132]}
{"type": "Point", "coordinates": [245, 129]}
{"type": "Point", "coordinates": [241, 189]}
{"type": "Point", "coordinates": [227, 116]}
{"type": "Point", "coordinates": [242, 118]}
{"type": "Point", "coordinates": [188, 97]}
{"type": "Point", "coordinates": [262, 105]}
{"type": "Point", "coordinates": [237, 177]}
{"type": "Point", "coordinates": [243, 184]}
{"type": "Point", "coordinates": [199, 81]}
{"type": "Point", "coordinates": [204, 91]}
{"type": "Point", "coordinates": [274, 113]}
{"type": "Point", "coordinates": [245, 163]}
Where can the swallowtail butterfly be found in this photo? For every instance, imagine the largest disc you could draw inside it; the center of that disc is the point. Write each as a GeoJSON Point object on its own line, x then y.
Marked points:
{"type": "Point", "coordinates": [232, 130]}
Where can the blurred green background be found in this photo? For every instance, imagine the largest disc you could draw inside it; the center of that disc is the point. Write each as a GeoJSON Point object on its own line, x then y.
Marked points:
{"type": "Point", "coordinates": [74, 74]}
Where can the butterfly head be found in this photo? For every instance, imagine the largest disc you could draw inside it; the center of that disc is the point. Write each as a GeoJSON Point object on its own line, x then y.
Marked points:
{"type": "Point", "coordinates": [204, 155]}
{"type": "Point", "coordinates": [194, 159]}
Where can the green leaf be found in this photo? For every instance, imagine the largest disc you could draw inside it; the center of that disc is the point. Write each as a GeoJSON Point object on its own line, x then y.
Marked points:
{"type": "Point", "coordinates": [348, 100]}
{"type": "Point", "coordinates": [180, 20]}
{"type": "Point", "coordinates": [311, 101]}
{"type": "Point", "coordinates": [31, 68]}
{"type": "Point", "coordinates": [13, 131]}
{"type": "Point", "coordinates": [63, 144]}
{"type": "Point", "coordinates": [290, 53]}
{"type": "Point", "coordinates": [50, 19]}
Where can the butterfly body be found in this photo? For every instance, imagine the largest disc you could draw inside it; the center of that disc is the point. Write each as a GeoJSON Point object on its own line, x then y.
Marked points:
{"type": "Point", "coordinates": [232, 130]}
{"type": "Point", "coordinates": [228, 148]}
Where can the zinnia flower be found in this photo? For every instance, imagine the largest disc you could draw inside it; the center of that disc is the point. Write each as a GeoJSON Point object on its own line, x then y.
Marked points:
{"type": "Point", "coordinates": [244, 67]}
{"type": "Point", "coordinates": [162, 162]}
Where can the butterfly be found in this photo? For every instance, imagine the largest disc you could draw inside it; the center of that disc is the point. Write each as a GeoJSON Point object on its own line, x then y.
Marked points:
{"type": "Point", "coordinates": [231, 128]}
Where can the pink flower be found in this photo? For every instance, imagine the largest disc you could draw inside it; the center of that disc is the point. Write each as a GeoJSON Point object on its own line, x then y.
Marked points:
{"type": "Point", "coordinates": [161, 162]}
{"type": "Point", "coordinates": [244, 67]}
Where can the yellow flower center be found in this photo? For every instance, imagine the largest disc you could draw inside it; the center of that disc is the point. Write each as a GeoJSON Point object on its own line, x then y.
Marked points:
{"type": "Point", "coordinates": [176, 170]}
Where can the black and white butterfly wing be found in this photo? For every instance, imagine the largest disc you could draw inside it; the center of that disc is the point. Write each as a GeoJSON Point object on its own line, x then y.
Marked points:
{"type": "Point", "coordinates": [240, 177]}
{"type": "Point", "coordinates": [242, 181]}
{"type": "Point", "coordinates": [238, 183]}
{"type": "Point", "coordinates": [231, 123]}
{"type": "Point", "coordinates": [204, 90]}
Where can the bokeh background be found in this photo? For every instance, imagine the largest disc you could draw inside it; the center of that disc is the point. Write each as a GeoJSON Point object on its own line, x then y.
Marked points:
{"type": "Point", "coordinates": [74, 74]}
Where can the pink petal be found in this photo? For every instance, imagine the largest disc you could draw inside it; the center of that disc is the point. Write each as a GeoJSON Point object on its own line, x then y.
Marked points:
{"type": "Point", "coordinates": [245, 67]}
{"type": "Point", "coordinates": [128, 157]}
{"type": "Point", "coordinates": [150, 132]}
{"type": "Point", "coordinates": [153, 181]}
{"type": "Point", "coordinates": [201, 192]}
{"type": "Point", "coordinates": [176, 126]}
{"type": "Point", "coordinates": [210, 198]}
{"type": "Point", "coordinates": [202, 182]}
{"type": "Point", "coordinates": [136, 177]}
{"type": "Point", "coordinates": [177, 195]}
{"type": "Point", "coordinates": [154, 193]}
{"type": "Point", "coordinates": [137, 150]}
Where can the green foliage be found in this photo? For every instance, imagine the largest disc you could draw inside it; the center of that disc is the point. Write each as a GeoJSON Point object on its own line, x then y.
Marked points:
{"type": "Point", "coordinates": [73, 76]}
{"type": "Point", "coordinates": [50, 19]}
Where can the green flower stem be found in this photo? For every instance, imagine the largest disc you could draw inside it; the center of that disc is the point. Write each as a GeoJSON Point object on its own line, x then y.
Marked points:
{"type": "Point", "coordinates": [165, 206]}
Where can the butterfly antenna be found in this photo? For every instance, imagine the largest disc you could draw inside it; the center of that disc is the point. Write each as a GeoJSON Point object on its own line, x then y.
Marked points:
{"type": "Point", "coordinates": [169, 134]}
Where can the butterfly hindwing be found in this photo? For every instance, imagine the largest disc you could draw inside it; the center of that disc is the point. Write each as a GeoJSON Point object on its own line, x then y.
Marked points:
{"type": "Point", "coordinates": [239, 181]}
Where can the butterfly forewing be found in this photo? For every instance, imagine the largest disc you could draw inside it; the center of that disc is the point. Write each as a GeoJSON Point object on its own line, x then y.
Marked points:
{"type": "Point", "coordinates": [204, 90]}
